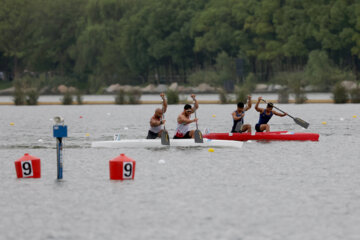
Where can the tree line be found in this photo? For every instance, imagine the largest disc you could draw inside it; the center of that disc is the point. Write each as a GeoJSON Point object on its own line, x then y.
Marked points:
{"type": "Point", "coordinates": [92, 43]}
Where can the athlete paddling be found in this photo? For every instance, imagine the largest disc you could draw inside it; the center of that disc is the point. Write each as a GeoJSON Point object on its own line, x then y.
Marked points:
{"type": "Point", "coordinates": [156, 121]}
{"type": "Point", "coordinates": [183, 121]}
{"type": "Point", "coordinates": [238, 117]}
{"type": "Point", "coordinates": [265, 116]}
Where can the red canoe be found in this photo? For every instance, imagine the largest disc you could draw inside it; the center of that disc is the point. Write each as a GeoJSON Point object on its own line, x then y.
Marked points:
{"type": "Point", "coordinates": [272, 136]}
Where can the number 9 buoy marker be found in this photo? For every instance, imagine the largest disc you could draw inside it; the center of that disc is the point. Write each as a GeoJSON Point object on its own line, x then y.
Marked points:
{"type": "Point", "coordinates": [28, 167]}
{"type": "Point", "coordinates": [122, 168]}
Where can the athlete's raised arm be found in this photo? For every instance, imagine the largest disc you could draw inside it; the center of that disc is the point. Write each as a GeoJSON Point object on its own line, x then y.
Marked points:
{"type": "Point", "coordinates": [164, 103]}
{"type": "Point", "coordinates": [248, 104]}
{"type": "Point", "coordinates": [196, 105]}
{"type": "Point", "coordinates": [257, 106]}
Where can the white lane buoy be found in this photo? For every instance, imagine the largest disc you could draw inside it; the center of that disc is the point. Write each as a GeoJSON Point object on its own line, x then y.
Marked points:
{"type": "Point", "coordinates": [161, 161]}
{"type": "Point", "coordinates": [126, 128]}
{"type": "Point", "coordinates": [40, 140]}
{"type": "Point", "coordinates": [342, 119]}
{"type": "Point", "coordinates": [108, 114]}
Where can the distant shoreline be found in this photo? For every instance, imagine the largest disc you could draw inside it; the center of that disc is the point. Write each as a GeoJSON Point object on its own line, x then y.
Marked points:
{"type": "Point", "coordinates": [159, 102]}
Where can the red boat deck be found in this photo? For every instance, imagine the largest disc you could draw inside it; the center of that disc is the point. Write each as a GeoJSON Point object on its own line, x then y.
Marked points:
{"type": "Point", "coordinates": [272, 136]}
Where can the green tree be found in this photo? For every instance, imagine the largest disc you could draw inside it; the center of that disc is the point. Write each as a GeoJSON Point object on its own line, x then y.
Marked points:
{"type": "Point", "coordinates": [17, 27]}
{"type": "Point", "coordinates": [57, 27]}
{"type": "Point", "coordinates": [319, 69]}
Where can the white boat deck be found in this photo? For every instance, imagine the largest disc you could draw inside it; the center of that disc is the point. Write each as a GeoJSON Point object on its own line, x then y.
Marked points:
{"type": "Point", "coordinates": [156, 143]}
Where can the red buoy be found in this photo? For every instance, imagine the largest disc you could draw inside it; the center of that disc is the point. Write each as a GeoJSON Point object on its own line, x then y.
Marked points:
{"type": "Point", "coordinates": [122, 168]}
{"type": "Point", "coordinates": [28, 167]}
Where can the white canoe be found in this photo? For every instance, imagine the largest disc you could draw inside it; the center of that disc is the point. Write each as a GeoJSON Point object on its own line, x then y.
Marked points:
{"type": "Point", "coordinates": [136, 143]}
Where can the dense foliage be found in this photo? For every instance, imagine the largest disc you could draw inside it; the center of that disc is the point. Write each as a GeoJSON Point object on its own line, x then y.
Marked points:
{"type": "Point", "coordinates": [92, 43]}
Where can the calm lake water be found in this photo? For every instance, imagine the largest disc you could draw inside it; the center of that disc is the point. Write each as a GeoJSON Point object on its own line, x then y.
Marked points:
{"type": "Point", "coordinates": [266, 190]}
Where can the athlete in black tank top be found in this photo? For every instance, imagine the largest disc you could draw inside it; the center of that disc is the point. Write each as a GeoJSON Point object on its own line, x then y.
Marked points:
{"type": "Point", "coordinates": [156, 120]}
{"type": "Point", "coordinates": [238, 118]}
{"type": "Point", "coordinates": [265, 116]}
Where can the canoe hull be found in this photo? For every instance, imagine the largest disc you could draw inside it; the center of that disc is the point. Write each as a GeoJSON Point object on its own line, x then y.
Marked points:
{"type": "Point", "coordinates": [271, 136]}
{"type": "Point", "coordinates": [156, 143]}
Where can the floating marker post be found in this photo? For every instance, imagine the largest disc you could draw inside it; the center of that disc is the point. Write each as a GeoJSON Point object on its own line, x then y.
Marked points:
{"type": "Point", "coordinates": [59, 132]}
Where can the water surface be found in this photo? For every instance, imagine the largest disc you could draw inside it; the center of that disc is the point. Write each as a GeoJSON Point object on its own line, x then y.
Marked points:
{"type": "Point", "coordinates": [266, 190]}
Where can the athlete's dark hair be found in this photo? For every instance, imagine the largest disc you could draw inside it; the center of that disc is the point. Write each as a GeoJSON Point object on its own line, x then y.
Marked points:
{"type": "Point", "coordinates": [240, 105]}
{"type": "Point", "coordinates": [270, 105]}
{"type": "Point", "coordinates": [187, 106]}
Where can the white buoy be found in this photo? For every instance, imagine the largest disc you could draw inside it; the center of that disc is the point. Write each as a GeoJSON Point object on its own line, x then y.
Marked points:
{"type": "Point", "coordinates": [40, 140]}
{"type": "Point", "coordinates": [126, 128]}
{"type": "Point", "coordinates": [342, 119]}
{"type": "Point", "coordinates": [161, 161]}
{"type": "Point", "coordinates": [108, 114]}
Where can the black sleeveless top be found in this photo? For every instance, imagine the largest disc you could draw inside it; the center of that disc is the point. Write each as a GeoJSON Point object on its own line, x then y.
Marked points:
{"type": "Point", "coordinates": [241, 121]}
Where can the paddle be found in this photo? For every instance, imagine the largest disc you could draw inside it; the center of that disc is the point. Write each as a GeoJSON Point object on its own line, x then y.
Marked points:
{"type": "Point", "coordinates": [197, 134]}
{"type": "Point", "coordinates": [298, 121]}
{"type": "Point", "coordinates": [165, 140]}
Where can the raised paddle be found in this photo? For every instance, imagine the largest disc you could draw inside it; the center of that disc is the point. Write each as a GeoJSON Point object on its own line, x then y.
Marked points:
{"type": "Point", "coordinates": [296, 120]}
{"type": "Point", "coordinates": [165, 140]}
{"type": "Point", "coordinates": [197, 134]}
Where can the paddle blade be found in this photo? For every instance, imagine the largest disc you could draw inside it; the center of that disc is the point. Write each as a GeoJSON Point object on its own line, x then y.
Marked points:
{"type": "Point", "coordinates": [301, 122]}
{"type": "Point", "coordinates": [198, 136]}
{"type": "Point", "coordinates": [165, 138]}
